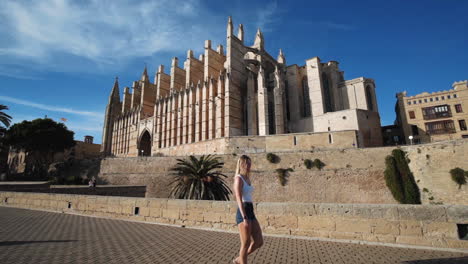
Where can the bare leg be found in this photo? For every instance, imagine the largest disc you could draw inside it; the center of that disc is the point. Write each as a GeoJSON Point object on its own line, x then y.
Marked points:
{"type": "Point", "coordinates": [245, 233]}
{"type": "Point", "coordinates": [257, 237]}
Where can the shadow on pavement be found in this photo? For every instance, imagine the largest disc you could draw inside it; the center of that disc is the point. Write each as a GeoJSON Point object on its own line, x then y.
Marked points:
{"type": "Point", "coordinates": [462, 260]}
{"type": "Point", "coordinates": [13, 243]}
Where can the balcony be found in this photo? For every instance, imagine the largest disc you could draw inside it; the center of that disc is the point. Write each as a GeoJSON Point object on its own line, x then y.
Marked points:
{"type": "Point", "coordinates": [441, 131]}
{"type": "Point", "coordinates": [440, 127]}
{"type": "Point", "coordinates": [429, 116]}
{"type": "Point", "coordinates": [434, 112]}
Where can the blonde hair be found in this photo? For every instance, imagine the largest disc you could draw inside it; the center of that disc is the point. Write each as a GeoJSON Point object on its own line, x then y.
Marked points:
{"type": "Point", "coordinates": [243, 165]}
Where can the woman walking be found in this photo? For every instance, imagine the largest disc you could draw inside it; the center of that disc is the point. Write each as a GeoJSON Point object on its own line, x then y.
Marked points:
{"type": "Point", "coordinates": [250, 232]}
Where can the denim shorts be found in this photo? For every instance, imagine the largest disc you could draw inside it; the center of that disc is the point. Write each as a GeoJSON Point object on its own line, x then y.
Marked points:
{"type": "Point", "coordinates": [249, 212]}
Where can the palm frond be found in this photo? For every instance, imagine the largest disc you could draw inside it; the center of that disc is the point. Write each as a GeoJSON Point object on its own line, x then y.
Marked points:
{"type": "Point", "coordinates": [199, 178]}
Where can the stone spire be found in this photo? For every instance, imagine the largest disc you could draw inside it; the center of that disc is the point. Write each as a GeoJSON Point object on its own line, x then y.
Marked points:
{"type": "Point", "coordinates": [259, 41]}
{"type": "Point", "coordinates": [115, 93]}
{"type": "Point", "coordinates": [240, 33]}
{"type": "Point", "coordinates": [281, 59]}
{"type": "Point", "coordinates": [229, 27]}
{"type": "Point", "coordinates": [144, 75]}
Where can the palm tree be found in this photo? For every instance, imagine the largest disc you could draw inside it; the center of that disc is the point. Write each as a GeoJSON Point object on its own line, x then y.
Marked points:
{"type": "Point", "coordinates": [4, 118]}
{"type": "Point", "coordinates": [199, 179]}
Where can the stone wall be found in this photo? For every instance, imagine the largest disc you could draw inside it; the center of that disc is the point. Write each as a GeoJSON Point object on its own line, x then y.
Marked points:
{"type": "Point", "coordinates": [350, 175]}
{"type": "Point", "coordinates": [272, 143]}
{"type": "Point", "coordinates": [431, 163]}
{"type": "Point", "coordinates": [421, 225]}
{"type": "Point", "coordinates": [45, 187]}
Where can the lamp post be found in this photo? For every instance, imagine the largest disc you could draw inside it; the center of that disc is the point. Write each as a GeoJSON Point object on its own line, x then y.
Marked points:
{"type": "Point", "coordinates": [411, 140]}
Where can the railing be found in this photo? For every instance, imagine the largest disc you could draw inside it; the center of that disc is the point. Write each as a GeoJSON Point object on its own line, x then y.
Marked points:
{"type": "Point", "coordinates": [441, 131]}
{"type": "Point", "coordinates": [436, 115]}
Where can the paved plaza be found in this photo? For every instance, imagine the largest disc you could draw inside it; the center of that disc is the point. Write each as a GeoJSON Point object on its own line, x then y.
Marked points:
{"type": "Point", "coordinates": [28, 236]}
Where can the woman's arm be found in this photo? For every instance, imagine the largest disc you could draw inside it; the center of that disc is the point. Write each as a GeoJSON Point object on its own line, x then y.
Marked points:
{"type": "Point", "coordinates": [238, 184]}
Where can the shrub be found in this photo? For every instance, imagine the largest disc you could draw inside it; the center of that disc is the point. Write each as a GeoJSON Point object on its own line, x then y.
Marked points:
{"type": "Point", "coordinates": [272, 158]}
{"type": "Point", "coordinates": [319, 164]}
{"type": "Point", "coordinates": [309, 164]}
{"type": "Point", "coordinates": [459, 176]}
{"type": "Point", "coordinates": [283, 175]}
{"type": "Point", "coordinates": [400, 179]}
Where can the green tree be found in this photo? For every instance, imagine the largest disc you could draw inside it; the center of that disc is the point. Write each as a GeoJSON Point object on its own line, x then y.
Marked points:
{"type": "Point", "coordinates": [400, 179]}
{"type": "Point", "coordinates": [5, 119]}
{"type": "Point", "coordinates": [40, 139]}
{"type": "Point", "coordinates": [199, 179]}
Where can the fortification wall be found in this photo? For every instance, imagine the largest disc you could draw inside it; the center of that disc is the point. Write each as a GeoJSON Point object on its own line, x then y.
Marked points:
{"type": "Point", "coordinates": [421, 225]}
{"type": "Point", "coordinates": [45, 187]}
{"type": "Point", "coordinates": [350, 175]}
{"type": "Point", "coordinates": [431, 163]}
{"type": "Point", "coordinates": [258, 144]}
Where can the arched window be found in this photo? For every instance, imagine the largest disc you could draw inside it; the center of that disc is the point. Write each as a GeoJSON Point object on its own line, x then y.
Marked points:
{"type": "Point", "coordinates": [370, 104]}
{"type": "Point", "coordinates": [145, 144]}
{"type": "Point", "coordinates": [327, 94]}
{"type": "Point", "coordinates": [306, 98]}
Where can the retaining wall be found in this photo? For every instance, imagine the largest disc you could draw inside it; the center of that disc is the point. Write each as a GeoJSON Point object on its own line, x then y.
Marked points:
{"type": "Point", "coordinates": [350, 175]}
{"type": "Point", "coordinates": [421, 225]}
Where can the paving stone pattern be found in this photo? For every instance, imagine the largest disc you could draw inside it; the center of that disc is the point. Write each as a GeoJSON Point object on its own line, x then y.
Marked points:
{"type": "Point", "coordinates": [28, 236]}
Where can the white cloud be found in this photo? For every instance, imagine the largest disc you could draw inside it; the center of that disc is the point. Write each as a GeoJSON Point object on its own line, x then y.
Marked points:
{"type": "Point", "coordinates": [49, 107]}
{"type": "Point", "coordinates": [102, 31]}
{"type": "Point", "coordinates": [108, 35]}
{"type": "Point", "coordinates": [267, 16]}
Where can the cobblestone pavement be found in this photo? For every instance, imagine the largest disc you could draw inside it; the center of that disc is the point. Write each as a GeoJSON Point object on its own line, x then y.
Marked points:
{"type": "Point", "coordinates": [28, 236]}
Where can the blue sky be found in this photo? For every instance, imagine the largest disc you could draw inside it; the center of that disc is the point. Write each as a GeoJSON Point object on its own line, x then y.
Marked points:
{"type": "Point", "coordinates": [59, 58]}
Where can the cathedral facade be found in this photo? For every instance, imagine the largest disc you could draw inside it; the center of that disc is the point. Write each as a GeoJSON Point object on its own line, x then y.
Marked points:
{"type": "Point", "coordinates": [242, 91]}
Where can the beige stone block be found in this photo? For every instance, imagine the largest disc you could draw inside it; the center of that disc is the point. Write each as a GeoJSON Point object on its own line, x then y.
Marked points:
{"type": "Point", "coordinates": [410, 228]}
{"type": "Point", "coordinates": [157, 203]}
{"type": "Point", "coordinates": [327, 209]}
{"type": "Point", "coordinates": [144, 211]}
{"type": "Point", "coordinates": [228, 218]}
{"type": "Point", "coordinates": [283, 222]}
{"type": "Point", "coordinates": [457, 214]}
{"type": "Point", "coordinates": [155, 212]}
{"type": "Point", "coordinates": [271, 208]}
{"type": "Point", "coordinates": [384, 227]}
{"type": "Point", "coordinates": [128, 202]}
{"type": "Point", "coordinates": [81, 207]}
{"type": "Point", "coordinates": [141, 202]}
{"type": "Point", "coordinates": [113, 201]}
{"type": "Point", "coordinates": [413, 240]}
{"type": "Point", "coordinates": [177, 204]}
{"type": "Point", "coordinates": [191, 215]}
{"type": "Point", "coordinates": [311, 233]}
{"type": "Point", "coordinates": [202, 205]}
{"type": "Point", "coordinates": [102, 199]}
{"type": "Point", "coordinates": [300, 209]}
{"type": "Point", "coordinates": [437, 229]}
{"type": "Point", "coordinates": [353, 226]}
{"type": "Point", "coordinates": [262, 219]}
{"type": "Point", "coordinates": [276, 231]}
{"type": "Point", "coordinates": [115, 209]}
{"type": "Point", "coordinates": [127, 210]}
{"type": "Point", "coordinates": [346, 235]}
{"type": "Point", "coordinates": [452, 243]}
{"type": "Point", "coordinates": [379, 238]}
{"type": "Point", "coordinates": [316, 223]}
{"type": "Point", "coordinates": [212, 217]}
{"type": "Point", "coordinates": [170, 213]}
{"type": "Point", "coordinates": [422, 213]}
{"type": "Point", "coordinates": [219, 206]}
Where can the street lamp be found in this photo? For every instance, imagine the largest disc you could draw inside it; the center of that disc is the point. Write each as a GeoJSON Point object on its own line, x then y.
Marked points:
{"type": "Point", "coordinates": [411, 139]}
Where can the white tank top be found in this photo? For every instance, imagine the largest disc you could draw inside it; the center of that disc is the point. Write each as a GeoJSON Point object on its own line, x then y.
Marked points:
{"type": "Point", "coordinates": [246, 190]}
